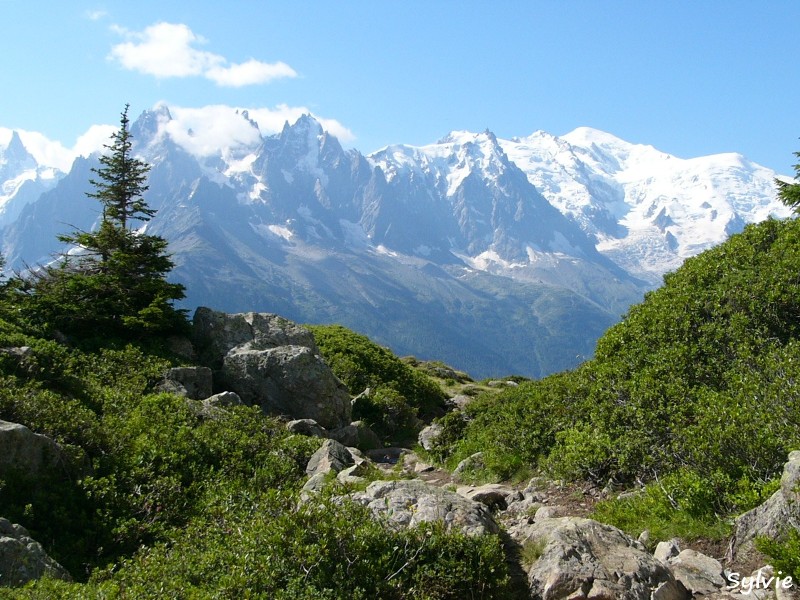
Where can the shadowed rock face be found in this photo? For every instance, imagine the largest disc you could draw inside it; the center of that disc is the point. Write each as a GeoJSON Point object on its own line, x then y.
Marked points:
{"type": "Point", "coordinates": [23, 559]}
{"type": "Point", "coordinates": [272, 363]}
{"type": "Point", "coordinates": [217, 333]}
{"type": "Point", "coordinates": [26, 452]}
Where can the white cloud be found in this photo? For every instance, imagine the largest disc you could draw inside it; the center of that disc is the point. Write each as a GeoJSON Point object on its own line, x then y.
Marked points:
{"type": "Point", "coordinates": [96, 15]}
{"type": "Point", "coordinates": [52, 153]}
{"type": "Point", "coordinates": [271, 120]}
{"type": "Point", "coordinates": [46, 152]}
{"type": "Point", "coordinates": [94, 139]}
{"type": "Point", "coordinates": [206, 130]}
{"type": "Point", "coordinates": [249, 73]}
{"type": "Point", "coordinates": [165, 50]}
{"type": "Point", "coordinates": [202, 131]}
{"type": "Point", "coordinates": [170, 50]}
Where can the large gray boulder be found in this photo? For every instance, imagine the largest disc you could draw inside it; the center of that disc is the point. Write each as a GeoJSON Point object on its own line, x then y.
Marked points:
{"type": "Point", "coordinates": [23, 559]}
{"type": "Point", "coordinates": [331, 456]}
{"type": "Point", "coordinates": [428, 436]}
{"type": "Point", "coordinates": [581, 558]}
{"type": "Point", "coordinates": [493, 495]}
{"type": "Point", "coordinates": [409, 502]}
{"type": "Point", "coordinates": [217, 333]}
{"type": "Point", "coordinates": [26, 452]}
{"type": "Point", "coordinates": [272, 363]}
{"type": "Point", "coordinates": [357, 434]}
{"type": "Point", "coordinates": [307, 427]}
{"type": "Point", "coordinates": [700, 574]}
{"type": "Point", "coordinates": [288, 380]}
{"type": "Point", "coordinates": [772, 518]}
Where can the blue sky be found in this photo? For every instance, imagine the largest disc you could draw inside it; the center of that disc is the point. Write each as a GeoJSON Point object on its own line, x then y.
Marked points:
{"type": "Point", "coordinates": [688, 77]}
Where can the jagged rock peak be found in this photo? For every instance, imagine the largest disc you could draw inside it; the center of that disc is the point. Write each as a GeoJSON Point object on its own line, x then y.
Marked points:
{"type": "Point", "coordinates": [306, 124]}
{"type": "Point", "coordinates": [150, 121]}
{"type": "Point", "coordinates": [15, 153]}
{"type": "Point", "coordinates": [246, 114]}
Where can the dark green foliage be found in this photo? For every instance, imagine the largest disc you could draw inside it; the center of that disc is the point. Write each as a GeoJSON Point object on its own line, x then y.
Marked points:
{"type": "Point", "coordinates": [681, 505]}
{"type": "Point", "coordinates": [509, 428]}
{"type": "Point", "coordinates": [257, 545]}
{"type": "Point", "coordinates": [702, 379]}
{"type": "Point", "coordinates": [320, 550]}
{"type": "Point", "coordinates": [789, 192]}
{"type": "Point", "coordinates": [160, 498]}
{"type": "Point", "coordinates": [121, 180]}
{"type": "Point", "coordinates": [398, 392]}
{"type": "Point", "coordinates": [141, 462]}
{"type": "Point", "coordinates": [388, 414]}
{"type": "Point", "coordinates": [115, 283]}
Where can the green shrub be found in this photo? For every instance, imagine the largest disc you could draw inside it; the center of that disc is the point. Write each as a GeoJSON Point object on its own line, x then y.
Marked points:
{"type": "Point", "coordinates": [784, 555]}
{"type": "Point", "coordinates": [265, 545]}
{"type": "Point", "coordinates": [702, 377]}
{"type": "Point", "coordinates": [362, 364]}
{"type": "Point", "coordinates": [388, 414]}
{"type": "Point", "coordinates": [513, 429]}
{"type": "Point", "coordinates": [678, 506]}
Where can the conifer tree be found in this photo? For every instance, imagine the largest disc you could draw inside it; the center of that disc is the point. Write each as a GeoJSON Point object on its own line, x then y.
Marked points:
{"type": "Point", "coordinates": [113, 281]}
{"type": "Point", "coordinates": [789, 192]}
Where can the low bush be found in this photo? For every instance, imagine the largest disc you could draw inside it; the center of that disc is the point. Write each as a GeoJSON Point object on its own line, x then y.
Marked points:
{"type": "Point", "coordinates": [262, 544]}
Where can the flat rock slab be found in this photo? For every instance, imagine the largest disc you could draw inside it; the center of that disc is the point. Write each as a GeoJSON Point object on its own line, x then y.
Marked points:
{"type": "Point", "coordinates": [410, 502]}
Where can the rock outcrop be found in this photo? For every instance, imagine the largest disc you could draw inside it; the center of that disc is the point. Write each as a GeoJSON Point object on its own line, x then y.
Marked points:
{"type": "Point", "coordinates": [493, 495]}
{"type": "Point", "coordinates": [272, 363]}
{"type": "Point", "coordinates": [700, 574]}
{"type": "Point", "coordinates": [23, 559]}
{"type": "Point", "coordinates": [26, 452]}
{"type": "Point", "coordinates": [581, 558]}
{"type": "Point", "coordinates": [331, 456]}
{"type": "Point", "coordinates": [429, 435]}
{"type": "Point", "coordinates": [216, 333]}
{"type": "Point", "coordinates": [409, 502]}
{"type": "Point", "coordinates": [773, 518]}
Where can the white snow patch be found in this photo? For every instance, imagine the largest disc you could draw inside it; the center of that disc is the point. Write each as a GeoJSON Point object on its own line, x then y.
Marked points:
{"type": "Point", "coordinates": [490, 260]}
{"type": "Point", "coordinates": [629, 196]}
{"type": "Point", "coordinates": [354, 234]}
{"type": "Point", "coordinates": [381, 249]}
{"type": "Point", "coordinates": [281, 231]}
{"type": "Point", "coordinates": [236, 165]}
{"type": "Point", "coordinates": [561, 245]}
{"type": "Point", "coordinates": [450, 160]}
{"type": "Point", "coordinates": [256, 191]}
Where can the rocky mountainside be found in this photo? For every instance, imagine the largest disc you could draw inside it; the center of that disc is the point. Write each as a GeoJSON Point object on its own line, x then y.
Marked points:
{"type": "Point", "coordinates": [496, 256]}
{"type": "Point", "coordinates": [22, 178]}
{"type": "Point", "coordinates": [648, 210]}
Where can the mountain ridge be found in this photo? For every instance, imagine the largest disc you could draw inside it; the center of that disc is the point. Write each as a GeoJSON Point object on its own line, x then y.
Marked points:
{"type": "Point", "coordinates": [449, 250]}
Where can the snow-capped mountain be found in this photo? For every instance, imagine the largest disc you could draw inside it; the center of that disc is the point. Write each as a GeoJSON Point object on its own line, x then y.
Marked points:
{"type": "Point", "coordinates": [499, 222]}
{"type": "Point", "coordinates": [648, 210]}
{"type": "Point", "coordinates": [22, 178]}
{"type": "Point", "coordinates": [497, 256]}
